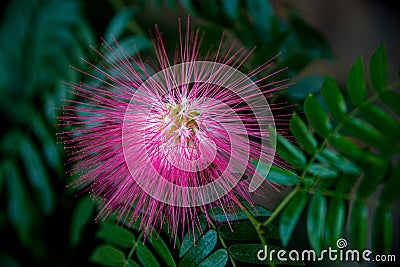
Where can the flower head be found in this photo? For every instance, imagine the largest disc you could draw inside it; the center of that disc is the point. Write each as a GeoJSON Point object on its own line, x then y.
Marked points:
{"type": "Point", "coordinates": [160, 142]}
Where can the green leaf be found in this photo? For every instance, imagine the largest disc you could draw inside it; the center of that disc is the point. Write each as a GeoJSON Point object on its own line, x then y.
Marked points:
{"type": "Point", "coordinates": [290, 216]}
{"type": "Point", "coordinates": [364, 132]}
{"type": "Point", "coordinates": [218, 259]}
{"type": "Point", "coordinates": [317, 116]}
{"type": "Point", "coordinates": [107, 255]}
{"type": "Point", "coordinates": [347, 147]}
{"type": "Point", "coordinates": [315, 221]}
{"type": "Point", "coordinates": [290, 153]}
{"type": "Point", "coordinates": [358, 225]}
{"type": "Point", "coordinates": [238, 231]}
{"type": "Point", "coordinates": [249, 253]}
{"type": "Point", "coordinates": [282, 177]}
{"type": "Point", "coordinates": [356, 87]}
{"type": "Point", "coordinates": [392, 100]}
{"type": "Point", "coordinates": [335, 221]}
{"type": "Point", "coordinates": [322, 171]}
{"type": "Point", "coordinates": [382, 121]}
{"type": "Point", "coordinates": [145, 256]}
{"type": "Point", "coordinates": [162, 249]}
{"type": "Point", "coordinates": [201, 250]}
{"type": "Point", "coordinates": [378, 69]}
{"type": "Point", "coordinates": [335, 160]}
{"type": "Point", "coordinates": [81, 215]}
{"type": "Point", "coordinates": [192, 236]}
{"type": "Point", "coordinates": [118, 24]}
{"type": "Point", "coordinates": [115, 235]}
{"type": "Point", "coordinates": [382, 231]}
{"type": "Point", "coordinates": [220, 215]}
{"type": "Point", "coordinates": [334, 99]}
{"type": "Point", "coordinates": [302, 134]}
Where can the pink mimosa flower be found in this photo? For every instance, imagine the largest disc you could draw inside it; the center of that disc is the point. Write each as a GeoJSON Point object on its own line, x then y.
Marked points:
{"type": "Point", "coordinates": [164, 142]}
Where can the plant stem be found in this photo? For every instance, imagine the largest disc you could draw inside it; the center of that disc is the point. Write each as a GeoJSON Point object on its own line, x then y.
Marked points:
{"type": "Point", "coordinates": [133, 248]}
{"type": "Point", "coordinates": [314, 155]}
{"type": "Point", "coordinates": [257, 225]}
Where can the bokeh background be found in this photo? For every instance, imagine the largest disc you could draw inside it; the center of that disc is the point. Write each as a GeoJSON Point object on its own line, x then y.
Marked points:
{"type": "Point", "coordinates": [45, 223]}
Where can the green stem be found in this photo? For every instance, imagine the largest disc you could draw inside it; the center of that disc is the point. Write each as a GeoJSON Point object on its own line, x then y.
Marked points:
{"type": "Point", "coordinates": [257, 225]}
{"type": "Point", "coordinates": [281, 205]}
{"type": "Point", "coordinates": [314, 155]}
{"type": "Point", "coordinates": [133, 248]}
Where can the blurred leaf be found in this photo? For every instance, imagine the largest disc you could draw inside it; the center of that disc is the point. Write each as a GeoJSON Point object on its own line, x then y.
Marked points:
{"type": "Point", "coordinates": [129, 46]}
{"type": "Point", "coordinates": [378, 69]}
{"type": "Point", "coordinates": [290, 153]}
{"type": "Point", "coordinates": [372, 178]}
{"type": "Point", "coordinates": [317, 116]}
{"type": "Point", "coordinates": [249, 253]}
{"type": "Point", "coordinates": [312, 41]}
{"type": "Point", "coordinates": [321, 171]}
{"type": "Point", "coordinates": [302, 134]}
{"type": "Point", "coordinates": [315, 221]}
{"type": "Point", "coordinates": [310, 84]}
{"type": "Point", "coordinates": [261, 12]}
{"type": "Point", "coordinates": [335, 221]}
{"type": "Point", "coordinates": [356, 87]}
{"type": "Point", "coordinates": [290, 216]}
{"type": "Point", "coordinates": [346, 146]}
{"type": "Point", "coordinates": [107, 255]}
{"type": "Point", "coordinates": [81, 215]}
{"type": "Point", "coordinates": [118, 24]}
{"type": "Point", "coordinates": [364, 132]}
{"type": "Point", "coordinates": [162, 249]}
{"type": "Point", "coordinates": [218, 259]}
{"type": "Point", "coordinates": [392, 100]}
{"type": "Point", "coordinates": [382, 231]}
{"type": "Point", "coordinates": [282, 176]}
{"type": "Point", "coordinates": [37, 175]}
{"type": "Point", "coordinates": [332, 159]}
{"type": "Point", "coordinates": [115, 235]}
{"type": "Point", "coordinates": [382, 121]}
{"type": "Point", "coordinates": [19, 206]}
{"type": "Point", "coordinates": [334, 99]}
{"type": "Point", "coordinates": [390, 192]}
{"type": "Point", "coordinates": [358, 225]}
{"type": "Point", "coordinates": [231, 8]}
{"type": "Point", "coordinates": [202, 248]}
{"type": "Point", "coordinates": [145, 256]}
{"type": "Point", "coordinates": [8, 261]}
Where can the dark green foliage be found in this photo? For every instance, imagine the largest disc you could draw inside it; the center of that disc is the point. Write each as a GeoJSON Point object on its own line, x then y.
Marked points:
{"type": "Point", "coordinates": [360, 145]}
{"type": "Point", "coordinates": [346, 146]}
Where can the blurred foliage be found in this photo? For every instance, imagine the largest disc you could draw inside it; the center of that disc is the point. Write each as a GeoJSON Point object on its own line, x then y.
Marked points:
{"type": "Point", "coordinates": [346, 145]}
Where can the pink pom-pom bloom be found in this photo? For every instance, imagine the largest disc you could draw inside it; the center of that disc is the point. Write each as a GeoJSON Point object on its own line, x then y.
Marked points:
{"type": "Point", "coordinates": [163, 142]}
